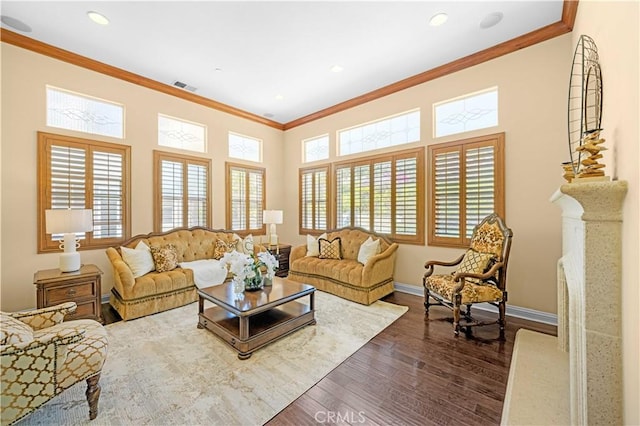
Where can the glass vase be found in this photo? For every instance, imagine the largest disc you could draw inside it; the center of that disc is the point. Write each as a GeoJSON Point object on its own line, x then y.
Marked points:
{"type": "Point", "coordinates": [254, 283]}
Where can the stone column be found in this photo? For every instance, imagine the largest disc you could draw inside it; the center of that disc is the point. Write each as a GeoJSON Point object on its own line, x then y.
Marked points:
{"type": "Point", "coordinates": [591, 261]}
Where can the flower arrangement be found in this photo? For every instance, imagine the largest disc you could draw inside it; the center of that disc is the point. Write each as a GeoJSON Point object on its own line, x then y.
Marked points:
{"type": "Point", "coordinates": [249, 269]}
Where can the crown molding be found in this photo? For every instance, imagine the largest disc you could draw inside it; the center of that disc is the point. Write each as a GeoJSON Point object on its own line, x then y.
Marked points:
{"type": "Point", "coordinates": [565, 25]}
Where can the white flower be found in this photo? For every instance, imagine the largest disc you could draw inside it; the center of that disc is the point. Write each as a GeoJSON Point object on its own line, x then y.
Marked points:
{"type": "Point", "coordinates": [268, 260]}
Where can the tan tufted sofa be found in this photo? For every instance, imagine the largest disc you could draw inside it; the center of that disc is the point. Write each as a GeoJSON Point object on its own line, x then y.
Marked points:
{"type": "Point", "coordinates": [347, 277]}
{"type": "Point", "coordinates": [160, 291]}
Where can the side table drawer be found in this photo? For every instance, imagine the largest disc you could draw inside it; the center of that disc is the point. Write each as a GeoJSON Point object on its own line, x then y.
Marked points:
{"type": "Point", "coordinates": [86, 309]}
{"type": "Point", "coordinates": [72, 292]}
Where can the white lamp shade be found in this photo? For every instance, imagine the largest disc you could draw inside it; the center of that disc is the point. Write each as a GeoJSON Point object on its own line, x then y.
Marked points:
{"type": "Point", "coordinates": [63, 221]}
{"type": "Point", "coordinates": [272, 216]}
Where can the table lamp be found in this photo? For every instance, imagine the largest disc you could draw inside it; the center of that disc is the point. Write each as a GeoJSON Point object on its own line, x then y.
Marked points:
{"type": "Point", "coordinates": [68, 222]}
{"type": "Point", "coordinates": [272, 217]}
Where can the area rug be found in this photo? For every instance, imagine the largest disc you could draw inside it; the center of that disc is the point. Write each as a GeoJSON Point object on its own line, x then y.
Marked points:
{"type": "Point", "coordinates": [163, 370]}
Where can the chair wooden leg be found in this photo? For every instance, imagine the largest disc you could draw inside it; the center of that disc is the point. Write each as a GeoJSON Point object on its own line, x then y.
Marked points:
{"type": "Point", "coordinates": [502, 322]}
{"type": "Point", "coordinates": [93, 394]}
{"type": "Point", "coordinates": [456, 314]}
{"type": "Point", "coordinates": [426, 302]}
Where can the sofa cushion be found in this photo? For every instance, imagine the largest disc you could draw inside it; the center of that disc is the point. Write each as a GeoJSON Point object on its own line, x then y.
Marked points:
{"type": "Point", "coordinates": [222, 247]}
{"type": "Point", "coordinates": [368, 249]}
{"type": "Point", "coordinates": [330, 249]}
{"type": "Point", "coordinates": [165, 258]}
{"type": "Point", "coordinates": [344, 271]}
{"type": "Point", "coordinates": [313, 247]}
{"type": "Point", "coordinates": [140, 260]}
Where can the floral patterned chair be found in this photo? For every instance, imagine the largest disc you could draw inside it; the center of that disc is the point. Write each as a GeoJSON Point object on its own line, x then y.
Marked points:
{"type": "Point", "coordinates": [480, 276]}
{"type": "Point", "coordinates": [41, 356]}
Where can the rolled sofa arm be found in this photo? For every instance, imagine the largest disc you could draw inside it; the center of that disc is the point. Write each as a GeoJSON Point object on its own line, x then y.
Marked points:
{"type": "Point", "coordinates": [122, 275]}
{"type": "Point", "coordinates": [380, 267]}
{"type": "Point", "coordinates": [297, 252]}
{"type": "Point", "coordinates": [45, 317]}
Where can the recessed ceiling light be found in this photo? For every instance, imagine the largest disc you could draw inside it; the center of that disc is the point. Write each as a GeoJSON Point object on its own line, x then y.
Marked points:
{"type": "Point", "coordinates": [491, 19]}
{"type": "Point", "coordinates": [16, 24]}
{"type": "Point", "coordinates": [336, 68]}
{"type": "Point", "coordinates": [218, 70]}
{"type": "Point", "coordinates": [438, 19]}
{"type": "Point", "coordinates": [98, 18]}
{"type": "Point", "coordinates": [279, 97]}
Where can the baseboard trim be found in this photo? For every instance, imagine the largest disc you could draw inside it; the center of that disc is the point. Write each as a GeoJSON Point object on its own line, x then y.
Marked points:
{"type": "Point", "coordinates": [513, 311]}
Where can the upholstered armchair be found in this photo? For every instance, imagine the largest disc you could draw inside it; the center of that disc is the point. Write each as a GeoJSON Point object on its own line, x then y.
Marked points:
{"type": "Point", "coordinates": [480, 276]}
{"type": "Point", "coordinates": [41, 356]}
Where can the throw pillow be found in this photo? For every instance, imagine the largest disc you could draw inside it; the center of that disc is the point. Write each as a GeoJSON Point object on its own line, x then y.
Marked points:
{"type": "Point", "coordinates": [474, 262]}
{"type": "Point", "coordinates": [368, 249]}
{"type": "Point", "coordinates": [221, 247]}
{"type": "Point", "coordinates": [14, 331]}
{"type": "Point", "coordinates": [165, 257]}
{"type": "Point", "coordinates": [330, 249]}
{"type": "Point", "coordinates": [139, 259]}
{"type": "Point", "coordinates": [312, 245]}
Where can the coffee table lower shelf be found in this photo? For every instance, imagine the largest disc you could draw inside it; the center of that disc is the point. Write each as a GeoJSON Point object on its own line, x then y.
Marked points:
{"type": "Point", "coordinates": [249, 333]}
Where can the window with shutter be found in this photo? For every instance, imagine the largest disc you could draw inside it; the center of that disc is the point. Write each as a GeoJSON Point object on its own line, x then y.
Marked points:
{"type": "Point", "coordinates": [84, 174]}
{"type": "Point", "coordinates": [314, 199]}
{"type": "Point", "coordinates": [384, 193]}
{"type": "Point", "coordinates": [182, 193]}
{"type": "Point", "coordinates": [467, 184]}
{"type": "Point", "coordinates": [245, 198]}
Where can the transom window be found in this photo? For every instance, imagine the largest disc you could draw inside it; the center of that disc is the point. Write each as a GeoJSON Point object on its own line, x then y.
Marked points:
{"type": "Point", "coordinates": [315, 149]}
{"type": "Point", "coordinates": [82, 113]}
{"type": "Point", "coordinates": [466, 185]}
{"type": "Point", "coordinates": [75, 173]}
{"type": "Point", "coordinates": [181, 134]}
{"type": "Point", "coordinates": [396, 130]}
{"type": "Point", "coordinates": [314, 199]}
{"type": "Point", "coordinates": [245, 198]}
{"type": "Point", "coordinates": [245, 147]}
{"type": "Point", "coordinates": [383, 193]}
{"type": "Point", "coordinates": [475, 111]}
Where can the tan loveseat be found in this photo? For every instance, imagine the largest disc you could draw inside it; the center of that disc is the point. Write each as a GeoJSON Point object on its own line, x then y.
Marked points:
{"type": "Point", "coordinates": [347, 277]}
{"type": "Point", "coordinates": [160, 291]}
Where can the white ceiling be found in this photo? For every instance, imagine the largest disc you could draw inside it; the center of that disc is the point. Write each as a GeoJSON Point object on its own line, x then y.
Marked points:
{"type": "Point", "coordinates": [244, 54]}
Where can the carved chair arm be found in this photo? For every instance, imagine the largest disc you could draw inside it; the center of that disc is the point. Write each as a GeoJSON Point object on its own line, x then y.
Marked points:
{"type": "Point", "coordinates": [430, 264]}
{"type": "Point", "coordinates": [460, 277]}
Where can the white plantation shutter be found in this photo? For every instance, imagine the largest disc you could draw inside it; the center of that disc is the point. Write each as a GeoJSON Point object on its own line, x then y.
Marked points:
{"type": "Point", "coordinates": [172, 194]}
{"type": "Point", "coordinates": [245, 198]}
{"type": "Point", "coordinates": [343, 197]}
{"type": "Point", "coordinates": [406, 195]}
{"type": "Point", "coordinates": [108, 195]}
{"type": "Point", "coordinates": [383, 194]}
{"type": "Point", "coordinates": [479, 186]}
{"type": "Point", "coordinates": [447, 194]}
{"type": "Point", "coordinates": [466, 186]}
{"type": "Point", "coordinates": [313, 199]}
{"type": "Point", "coordinates": [183, 198]}
{"type": "Point", "coordinates": [79, 173]}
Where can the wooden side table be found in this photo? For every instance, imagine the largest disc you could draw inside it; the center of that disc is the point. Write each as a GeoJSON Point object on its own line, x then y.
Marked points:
{"type": "Point", "coordinates": [82, 286]}
{"type": "Point", "coordinates": [281, 253]}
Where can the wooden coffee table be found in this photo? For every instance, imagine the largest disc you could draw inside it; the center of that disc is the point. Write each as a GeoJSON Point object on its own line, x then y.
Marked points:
{"type": "Point", "coordinates": [259, 317]}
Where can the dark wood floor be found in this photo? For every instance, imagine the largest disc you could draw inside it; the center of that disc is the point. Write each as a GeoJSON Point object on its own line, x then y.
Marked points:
{"type": "Point", "coordinates": [415, 372]}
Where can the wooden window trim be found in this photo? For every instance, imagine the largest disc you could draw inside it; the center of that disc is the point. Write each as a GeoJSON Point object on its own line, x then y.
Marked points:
{"type": "Point", "coordinates": [158, 157]}
{"type": "Point", "coordinates": [314, 231]}
{"type": "Point", "coordinates": [229, 166]}
{"type": "Point", "coordinates": [45, 141]}
{"type": "Point", "coordinates": [419, 154]}
{"type": "Point", "coordinates": [497, 140]}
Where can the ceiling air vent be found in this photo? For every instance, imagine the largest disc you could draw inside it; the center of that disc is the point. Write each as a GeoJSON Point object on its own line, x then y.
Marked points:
{"type": "Point", "coordinates": [184, 86]}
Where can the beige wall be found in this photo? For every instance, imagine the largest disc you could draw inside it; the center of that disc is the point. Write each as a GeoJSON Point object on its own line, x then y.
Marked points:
{"type": "Point", "coordinates": [614, 28]}
{"type": "Point", "coordinates": [24, 76]}
{"type": "Point", "coordinates": [532, 86]}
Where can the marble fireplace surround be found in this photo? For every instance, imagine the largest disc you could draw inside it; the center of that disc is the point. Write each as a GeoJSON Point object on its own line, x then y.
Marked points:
{"type": "Point", "coordinates": [576, 378]}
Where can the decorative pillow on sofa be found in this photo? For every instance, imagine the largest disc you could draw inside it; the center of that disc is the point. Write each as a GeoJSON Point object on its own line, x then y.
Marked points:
{"type": "Point", "coordinates": [221, 247]}
{"type": "Point", "coordinates": [313, 249]}
{"type": "Point", "coordinates": [165, 257]}
{"type": "Point", "coordinates": [330, 249]}
{"type": "Point", "coordinates": [14, 331]}
{"type": "Point", "coordinates": [243, 245]}
{"type": "Point", "coordinates": [139, 259]}
{"type": "Point", "coordinates": [474, 262]}
{"type": "Point", "coordinates": [368, 249]}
